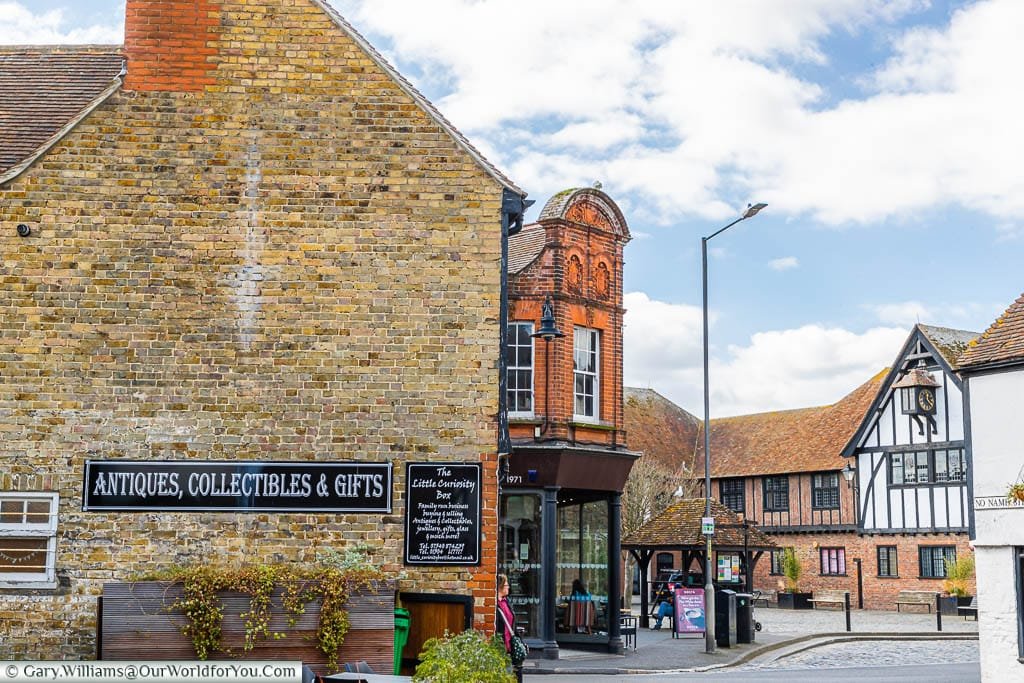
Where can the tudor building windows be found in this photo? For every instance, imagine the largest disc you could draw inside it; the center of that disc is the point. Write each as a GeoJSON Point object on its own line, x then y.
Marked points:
{"type": "Point", "coordinates": [927, 467]}
{"type": "Point", "coordinates": [887, 561]}
{"type": "Point", "coordinates": [933, 560]}
{"type": "Point", "coordinates": [586, 378]}
{"type": "Point", "coordinates": [28, 539]}
{"type": "Point", "coordinates": [730, 492]}
{"type": "Point", "coordinates": [833, 561]}
{"type": "Point", "coordinates": [825, 491]}
{"type": "Point", "coordinates": [776, 494]}
{"type": "Point", "coordinates": [519, 369]}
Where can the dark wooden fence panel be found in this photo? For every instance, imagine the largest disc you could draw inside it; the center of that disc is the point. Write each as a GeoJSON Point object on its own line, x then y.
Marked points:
{"type": "Point", "coordinates": [136, 623]}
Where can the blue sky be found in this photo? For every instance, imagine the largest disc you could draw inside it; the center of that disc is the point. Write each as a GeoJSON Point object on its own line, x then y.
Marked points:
{"type": "Point", "coordinates": [883, 134]}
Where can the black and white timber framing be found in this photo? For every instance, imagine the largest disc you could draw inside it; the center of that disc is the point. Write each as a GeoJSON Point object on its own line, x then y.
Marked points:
{"type": "Point", "coordinates": [911, 473]}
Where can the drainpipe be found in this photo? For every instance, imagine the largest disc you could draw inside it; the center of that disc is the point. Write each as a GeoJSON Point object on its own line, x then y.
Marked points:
{"type": "Point", "coordinates": [513, 206]}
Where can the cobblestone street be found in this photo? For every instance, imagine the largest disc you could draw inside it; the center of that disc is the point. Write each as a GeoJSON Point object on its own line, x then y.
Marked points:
{"type": "Point", "coordinates": [876, 653]}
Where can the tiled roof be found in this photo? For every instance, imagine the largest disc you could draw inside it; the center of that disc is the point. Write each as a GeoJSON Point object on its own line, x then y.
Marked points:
{"type": "Point", "coordinates": [660, 429]}
{"type": "Point", "coordinates": [804, 440]}
{"type": "Point", "coordinates": [679, 525]}
{"type": "Point", "coordinates": [408, 87]}
{"type": "Point", "coordinates": [1002, 342]}
{"type": "Point", "coordinates": [44, 91]}
{"type": "Point", "coordinates": [524, 247]}
{"type": "Point", "coordinates": [947, 341]}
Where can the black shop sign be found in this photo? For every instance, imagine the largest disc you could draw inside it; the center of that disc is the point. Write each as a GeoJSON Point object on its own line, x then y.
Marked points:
{"type": "Point", "coordinates": [442, 517]}
{"type": "Point", "coordinates": [236, 486]}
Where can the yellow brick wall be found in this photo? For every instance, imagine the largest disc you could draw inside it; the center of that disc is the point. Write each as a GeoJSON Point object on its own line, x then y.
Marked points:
{"type": "Point", "coordinates": [296, 263]}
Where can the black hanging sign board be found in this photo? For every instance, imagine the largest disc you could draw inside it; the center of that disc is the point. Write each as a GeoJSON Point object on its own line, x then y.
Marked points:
{"type": "Point", "coordinates": [236, 486]}
{"type": "Point", "coordinates": [442, 514]}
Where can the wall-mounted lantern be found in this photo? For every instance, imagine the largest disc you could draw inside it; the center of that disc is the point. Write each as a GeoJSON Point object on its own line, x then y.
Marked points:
{"type": "Point", "coordinates": [548, 331]}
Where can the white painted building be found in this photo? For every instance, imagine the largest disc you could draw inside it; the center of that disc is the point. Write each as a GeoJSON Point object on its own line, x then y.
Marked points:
{"type": "Point", "coordinates": [993, 369]}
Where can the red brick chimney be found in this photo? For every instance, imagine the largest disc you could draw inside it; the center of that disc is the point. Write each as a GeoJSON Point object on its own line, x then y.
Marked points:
{"type": "Point", "coordinates": [168, 44]}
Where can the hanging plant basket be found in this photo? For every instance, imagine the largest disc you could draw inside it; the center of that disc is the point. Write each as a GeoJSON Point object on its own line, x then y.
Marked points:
{"type": "Point", "coordinates": [1015, 493]}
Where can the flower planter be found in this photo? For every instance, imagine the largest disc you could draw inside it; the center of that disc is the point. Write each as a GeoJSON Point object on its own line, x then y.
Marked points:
{"type": "Point", "coordinates": [948, 604]}
{"type": "Point", "coordinates": [136, 621]}
{"type": "Point", "coordinates": [795, 600]}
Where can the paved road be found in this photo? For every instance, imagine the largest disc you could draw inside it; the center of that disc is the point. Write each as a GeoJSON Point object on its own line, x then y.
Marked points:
{"type": "Point", "coordinates": [904, 661]}
{"type": "Point", "coordinates": [924, 673]}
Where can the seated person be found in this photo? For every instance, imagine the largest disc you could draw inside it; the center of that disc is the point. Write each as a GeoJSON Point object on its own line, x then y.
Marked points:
{"type": "Point", "coordinates": [664, 605]}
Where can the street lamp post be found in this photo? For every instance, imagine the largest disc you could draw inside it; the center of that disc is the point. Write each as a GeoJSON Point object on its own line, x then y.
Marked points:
{"type": "Point", "coordinates": [709, 589]}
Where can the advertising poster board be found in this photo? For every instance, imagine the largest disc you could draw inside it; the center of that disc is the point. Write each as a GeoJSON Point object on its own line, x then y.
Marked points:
{"type": "Point", "coordinates": [689, 604]}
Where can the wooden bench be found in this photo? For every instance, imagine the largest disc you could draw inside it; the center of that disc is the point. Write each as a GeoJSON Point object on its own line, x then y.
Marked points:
{"type": "Point", "coordinates": [967, 610]}
{"type": "Point", "coordinates": [829, 597]}
{"type": "Point", "coordinates": [926, 598]}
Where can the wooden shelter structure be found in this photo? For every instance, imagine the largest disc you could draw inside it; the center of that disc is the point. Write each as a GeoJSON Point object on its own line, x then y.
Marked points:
{"type": "Point", "coordinates": [678, 528]}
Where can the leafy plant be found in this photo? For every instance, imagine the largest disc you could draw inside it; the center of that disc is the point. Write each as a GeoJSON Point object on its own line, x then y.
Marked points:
{"type": "Point", "coordinates": [958, 575]}
{"type": "Point", "coordinates": [468, 656]}
{"type": "Point", "coordinates": [332, 582]}
{"type": "Point", "coordinates": [1015, 493]}
{"type": "Point", "coordinates": [792, 570]}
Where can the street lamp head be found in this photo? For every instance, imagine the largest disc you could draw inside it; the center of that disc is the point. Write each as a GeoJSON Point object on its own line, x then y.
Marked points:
{"type": "Point", "coordinates": [752, 210]}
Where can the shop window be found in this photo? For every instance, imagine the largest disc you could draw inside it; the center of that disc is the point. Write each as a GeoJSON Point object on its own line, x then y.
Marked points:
{"type": "Point", "coordinates": [28, 539]}
{"type": "Point", "coordinates": [833, 561]}
{"type": "Point", "coordinates": [825, 491]}
{"type": "Point", "coordinates": [933, 560]}
{"type": "Point", "coordinates": [730, 492]}
{"type": "Point", "coordinates": [520, 557]}
{"type": "Point", "coordinates": [586, 378]}
{"type": "Point", "coordinates": [582, 558]}
{"type": "Point", "coordinates": [887, 565]}
{"type": "Point", "coordinates": [519, 369]}
{"type": "Point", "coordinates": [776, 494]}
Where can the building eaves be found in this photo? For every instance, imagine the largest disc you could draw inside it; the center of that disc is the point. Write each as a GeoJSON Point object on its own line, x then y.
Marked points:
{"type": "Point", "coordinates": [949, 342]}
{"type": "Point", "coordinates": [45, 91]}
{"type": "Point", "coordinates": [524, 247]}
{"type": "Point", "coordinates": [789, 441]}
{"type": "Point", "coordinates": [422, 101]}
{"type": "Point", "coordinates": [1002, 343]}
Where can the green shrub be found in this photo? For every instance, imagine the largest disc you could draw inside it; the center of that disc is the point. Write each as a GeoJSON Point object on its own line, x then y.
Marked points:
{"type": "Point", "coordinates": [792, 570]}
{"type": "Point", "coordinates": [958, 575]}
{"type": "Point", "coordinates": [462, 658]}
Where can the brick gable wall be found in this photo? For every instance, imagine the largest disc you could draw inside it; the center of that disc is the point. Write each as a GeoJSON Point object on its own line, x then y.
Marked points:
{"type": "Point", "coordinates": [584, 306]}
{"type": "Point", "coordinates": [293, 263]}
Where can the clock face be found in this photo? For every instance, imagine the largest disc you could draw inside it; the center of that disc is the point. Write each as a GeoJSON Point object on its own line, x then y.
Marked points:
{"type": "Point", "coordinates": [926, 400]}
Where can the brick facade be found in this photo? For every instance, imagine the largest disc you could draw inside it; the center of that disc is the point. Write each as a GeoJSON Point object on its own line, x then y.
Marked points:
{"type": "Point", "coordinates": [581, 269]}
{"type": "Point", "coordinates": [879, 591]}
{"type": "Point", "coordinates": [275, 255]}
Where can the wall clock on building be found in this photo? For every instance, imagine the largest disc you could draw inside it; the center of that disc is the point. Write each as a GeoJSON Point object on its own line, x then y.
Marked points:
{"type": "Point", "coordinates": [926, 400]}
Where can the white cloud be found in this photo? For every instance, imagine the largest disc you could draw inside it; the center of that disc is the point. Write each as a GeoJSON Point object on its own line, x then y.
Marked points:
{"type": "Point", "coordinates": [784, 263]}
{"type": "Point", "coordinates": [778, 370]}
{"type": "Point", "coordinates": [20, 26]}
{"type": "Point", "coordinates": [690, 107]}
{"type": "Point", "coordinates": [907, 313]}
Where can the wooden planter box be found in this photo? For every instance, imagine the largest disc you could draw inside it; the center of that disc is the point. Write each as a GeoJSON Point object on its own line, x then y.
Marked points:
{"type": "Point", "coordinates": [135, 623]}
{"type": "Point", "coordinates": [795, 600]}
{"type": "Point", "coordinates": [948, 604]}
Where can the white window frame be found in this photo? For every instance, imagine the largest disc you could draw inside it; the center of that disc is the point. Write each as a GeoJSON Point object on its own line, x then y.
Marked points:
{"type": "Point", "coordinates": [511, 368]}
{"type": "Point", "coordinates": [591, 339]}
{"type": "Point", "coordinates": [47, 530]}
